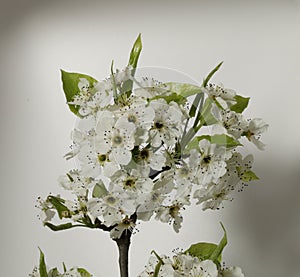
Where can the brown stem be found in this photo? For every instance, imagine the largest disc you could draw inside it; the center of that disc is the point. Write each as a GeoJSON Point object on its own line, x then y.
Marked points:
{"type": "Point", "coordinates": [123, 245]}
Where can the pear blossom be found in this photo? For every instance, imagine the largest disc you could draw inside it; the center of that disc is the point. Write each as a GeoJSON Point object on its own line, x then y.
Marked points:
{"type": "Point", "coordinates": [224, 96]}
{"type": "Point", "coordinates": [211, 162]}
{"type": "Point", "coordinates": [255, 128]}
{"type": "Point", "coordinates": [230, 122]}
{"type": "Point", "coordinates": [167, 124]}
{"type": "Point", "coordinates": [115, 136]}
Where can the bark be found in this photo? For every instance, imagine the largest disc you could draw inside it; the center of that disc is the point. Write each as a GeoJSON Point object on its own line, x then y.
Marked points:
{"type": "Point", "coordinates": [123, 245]}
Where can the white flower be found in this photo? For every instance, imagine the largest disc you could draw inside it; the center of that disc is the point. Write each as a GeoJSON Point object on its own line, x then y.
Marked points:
{"type": "Point", "coordinates": [166, 269]}
{"type": "Point", "coordinates": [46, 213]}
{"type": "Point", "coordinates": [141, 115]}
{"type": "Point", "coordinates": [114, 136]}
{"type": "Point", "coordinates": [232, 272]}
{"type": "Point", "coordinates": [149, 88]}
{"type": "Point", "coordinates": [147, 157]}
{"type": "Point", "coordinates": [256, 127]}
{"type": "Point", "coordinates": [76, 182]}
{"type": "Point", "coordinates": [171, 214]}
{"type": "Point", "coordinates": [212, 195]}
{"type": "Point", "coordinates": [211, 165]}
{"type": "Point", "coordinates": [230, 122]}
{"type": "Point", "coordinates": [149, 202]}
{"type": "Point", "coordinates": [224, 96]}
{"type": "Point", "coordinates": [167, 123]}
{"type": "Point", "coordinates": [131, 181]}
{"type": "Point", "coordinates": [107, 209]}
{"type": "Point", "coordinates": [103, 95]}
{"type": "Point", "coordinates": [127, 224]}
{"type": "Point", "coordinates": [206, 268]}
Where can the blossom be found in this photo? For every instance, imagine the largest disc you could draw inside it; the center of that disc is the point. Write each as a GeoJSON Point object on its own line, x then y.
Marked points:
{"type": "Point", "coordinates": [229, 121]}
{"type": "Point", "coordinates": [211, 162]}
{"type": "Point", "coordinates": [224, 96]}
{"type": "Point", "coordinates": [206, 268]}
{"type": "Point", "coordinates": [115, 136]}
{"type": "Point", "coordinates": [107, 209]}
{"type": "Point", "coordinates": [212, 195]}
{"type": "Point", "coordinates": [255, 128]}
{"type": "Point", "coordinates": [76, 182]}
{"type": "Point", "coordinates": [167, 123]}
{"type": "Point", "coordinates": [171, 214]}
{"type": "Point", "coordinates": [126, 225]}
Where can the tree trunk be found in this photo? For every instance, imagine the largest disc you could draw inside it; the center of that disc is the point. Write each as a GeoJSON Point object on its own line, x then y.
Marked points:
{"type": "Point", "coordinates": [123, 245]}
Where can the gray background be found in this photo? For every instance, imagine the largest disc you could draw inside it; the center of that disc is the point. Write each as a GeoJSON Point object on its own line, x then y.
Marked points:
{"type": "Point", "coordinates": [259, 43]}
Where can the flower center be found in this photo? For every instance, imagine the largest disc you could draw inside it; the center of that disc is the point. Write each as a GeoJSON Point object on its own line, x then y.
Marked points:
{"type": "Point", "coordinates": [102, 158]}
{"type": "Point", "coordinates": [207, 159]}
{"type": "Point", "coordinates": [129, 183]}
{"type": "Point", "coordinates": [174, 210]}
{"type": "Point", "coordinates": [132, 118]}
{"type": "Point", "coordinates": [110, 200]}
{"type": "Point", "coordinates": [144, 154]}
{"type": "Point", "coordinates": [158, 125]}
{"type": "Point", "coordinates": [117, 140]}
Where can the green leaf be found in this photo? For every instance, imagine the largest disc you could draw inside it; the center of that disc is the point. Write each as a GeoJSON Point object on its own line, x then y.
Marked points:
{"type": "Point", "coordinates": [193, 144]}
{"type": "Point", "coordinates": [182, 89]}
{"type": "Point", "coordinates": [206, 80]}
{"type": "Point", "coordinates": [42, 266]}
{"type": "Point", "coordinates": [248, 176]}
{"type": "Point", "coordinates": [241, 104]}
{"type": "Point", "coordinates": [59, 227]}
{"type": "Point", "coordinates": [217, 253]}
{"type": "Point", "coordinates": [172, 97]}
{"type": "Point", "coordinates": [198, 99]}
{"type": "Point", "coordinates": [206, 116]}
{"type": "Point", "coordinates": [99, 190]}
{"type": "Point", "coordinates": [83, 272]}
{"type": "Point", "coordinates": [70, 86]}
{"type": "Point", "coordinates": [135, 52]}
{"type": "Point", "coordinates": [133, 61]}
{"type": "Point", "coordinates": [202, 250]}
{"type": "Point", "coordinates": [220, 139]}
{"type": "Point", "coordinates": [62, 210]}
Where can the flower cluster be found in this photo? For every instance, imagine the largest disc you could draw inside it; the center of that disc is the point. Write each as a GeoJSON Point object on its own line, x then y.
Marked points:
{"type": "Point", "coordinates": [187, 265]}
{"type": "Point", "coordinates": [146, 149]}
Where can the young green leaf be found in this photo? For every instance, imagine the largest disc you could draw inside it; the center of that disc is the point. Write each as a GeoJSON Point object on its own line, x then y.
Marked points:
{"type": "Point", "coordinates": [202, 250]}
{"type": "Point", "coordinates": [70, 86]}
{"type": "Point", "coordinates": [248, 176]}
{"type": "Point", "coordinates": [182, 89]}
{"type": "Point", "coordinates": [99, 190]}
{"type": "Point", "coordinates": [57, 202]}
{"type": "Point", "coordinates": [179, 99]}
{"type": "Point", "coordinates": [83, 272]}
{"type": "Point", "coordinates": [126, 87]}
{"type": "Point", "coordinates": [241, 104]}
{"type": "Point", "coordinates": [206, 80]}
{"type": "Point", "coordinates": [42, 266]}
{"type": "Point", "coordinates": [206, 117]}
{"type": "Point", "coordinates": [135, 52]}
{"type": "Point", "coordinates": [220, 139]}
